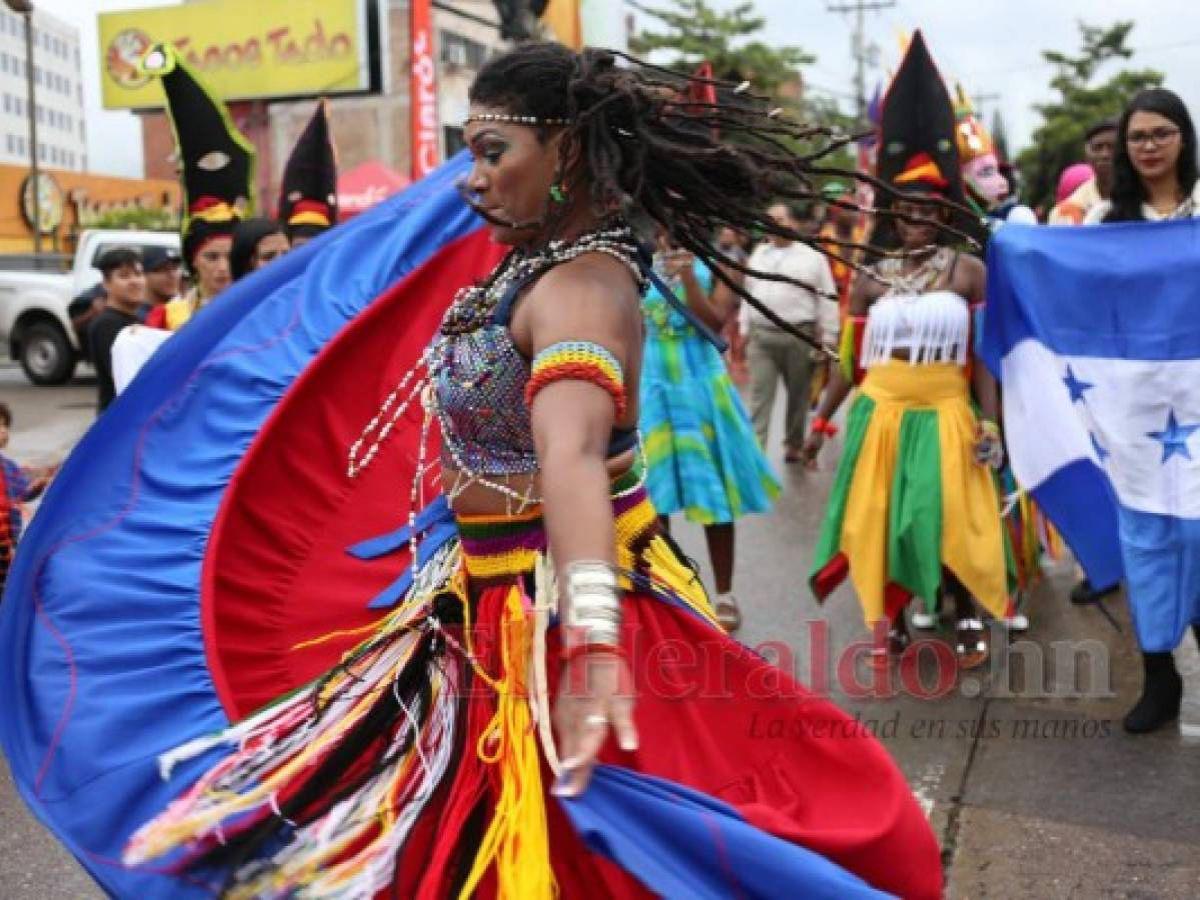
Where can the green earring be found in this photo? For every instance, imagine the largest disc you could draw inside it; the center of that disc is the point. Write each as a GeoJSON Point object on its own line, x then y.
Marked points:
{"type": "Point", "coordinates": [558, 193]}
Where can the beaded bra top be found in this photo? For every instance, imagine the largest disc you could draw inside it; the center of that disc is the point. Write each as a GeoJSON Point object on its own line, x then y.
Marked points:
{"type": "Point", "coordinates": [479, 375]}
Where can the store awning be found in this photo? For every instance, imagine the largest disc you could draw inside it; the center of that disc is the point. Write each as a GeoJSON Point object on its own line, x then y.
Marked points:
{"type": "Point", "coordinates": [365, 185]}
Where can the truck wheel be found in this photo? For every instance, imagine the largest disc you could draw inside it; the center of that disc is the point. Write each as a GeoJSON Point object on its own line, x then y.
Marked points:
{"type": "Point", "coordinates": [46, 356]}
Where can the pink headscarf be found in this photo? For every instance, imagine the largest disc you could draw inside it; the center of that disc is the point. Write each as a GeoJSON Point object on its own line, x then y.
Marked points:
{"type": "Point", "coordinates": [1070, 180]}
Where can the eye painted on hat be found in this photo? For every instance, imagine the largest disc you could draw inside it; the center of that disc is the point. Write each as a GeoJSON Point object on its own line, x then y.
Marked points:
{"type": "Point", "coordinates": [895, 148]}
{"type": "Point", "coordinates": [944, 145]}
{"type": "Point", "coordinates": [293, 196]}
{"type": "Point", "coordinates": [157, 61]}
{"type": "Point", "coordinates": [213, 161]}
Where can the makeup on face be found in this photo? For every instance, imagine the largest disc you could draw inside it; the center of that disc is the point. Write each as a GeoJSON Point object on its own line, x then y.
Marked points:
{"type": "Point", "coordinates": [511, 177]}
{"type": "Point", "coordinates": [1154, 143]}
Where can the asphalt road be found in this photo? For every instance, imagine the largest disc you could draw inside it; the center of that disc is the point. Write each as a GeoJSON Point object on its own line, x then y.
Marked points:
{"type": "Point", "coordinates": [1027, 778]}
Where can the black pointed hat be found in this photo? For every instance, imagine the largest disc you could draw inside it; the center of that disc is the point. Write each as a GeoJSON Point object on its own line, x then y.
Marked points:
{"type": "Point", "coordinates": [917, 148]}
{"type": "Point", "coordinates": [217, 162]}
{"type": "Point", "coordinates": [308, 192]}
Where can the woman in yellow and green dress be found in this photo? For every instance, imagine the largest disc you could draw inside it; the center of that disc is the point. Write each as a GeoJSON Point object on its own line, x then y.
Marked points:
{"type": "Point", "coordinates": [914, 510]}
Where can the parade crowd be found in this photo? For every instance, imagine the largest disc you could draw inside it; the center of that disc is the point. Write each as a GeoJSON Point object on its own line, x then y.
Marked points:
{"type": "Point", "coordinates": [864, 299]}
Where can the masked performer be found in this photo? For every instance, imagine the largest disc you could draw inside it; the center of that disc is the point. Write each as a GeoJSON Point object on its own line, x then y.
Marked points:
{"type": "Point", "coordinates": [421, 761]}
{"type": "Point", "coordinates": [308, 193]}
{"type": "Point", "coordinates": [914, 508]}
{"type": "Point", "coordinates": [987, 190]}
{"type": "Point", "coordinates": [218, 183]}
{"type": "Point", "coordinates": [703, 458]}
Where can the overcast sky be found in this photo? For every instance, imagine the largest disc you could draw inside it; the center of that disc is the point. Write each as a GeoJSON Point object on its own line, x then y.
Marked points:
{"type": "Point", "coordinates": [992, 46]}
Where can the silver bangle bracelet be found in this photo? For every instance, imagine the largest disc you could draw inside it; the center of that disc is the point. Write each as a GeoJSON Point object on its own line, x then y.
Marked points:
{"type": "Point", "coordinates": [594, 602]}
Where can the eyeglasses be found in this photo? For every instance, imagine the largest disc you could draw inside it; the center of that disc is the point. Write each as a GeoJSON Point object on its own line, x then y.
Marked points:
{"type": "Point", "coordinates": [1156, 136]}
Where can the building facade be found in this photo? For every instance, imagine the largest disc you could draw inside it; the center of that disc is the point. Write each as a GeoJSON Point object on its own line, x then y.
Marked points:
{"type": "Point", "coordinates": [58, 87]}
{"type": "Point", "coordinates": [365, 129]}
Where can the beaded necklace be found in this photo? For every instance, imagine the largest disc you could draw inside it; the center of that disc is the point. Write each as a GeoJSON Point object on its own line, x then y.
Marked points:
{"type": "Point", "coordinates": [920, 279]}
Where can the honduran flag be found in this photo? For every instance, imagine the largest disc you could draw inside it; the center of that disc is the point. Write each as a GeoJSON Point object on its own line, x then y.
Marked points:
{"type": "Point", "coordinates": [1094, 334]}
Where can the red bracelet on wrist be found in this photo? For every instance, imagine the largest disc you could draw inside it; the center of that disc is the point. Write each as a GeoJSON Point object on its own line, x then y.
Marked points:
{"type": "Point", "coordinates": [824, 426]}
{"type": "Point", "coordinates": [572, 653]}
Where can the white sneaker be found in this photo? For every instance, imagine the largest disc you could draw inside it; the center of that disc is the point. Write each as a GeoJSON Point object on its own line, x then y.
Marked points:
{"type": "Point", "coordinates": [1018, 622]}
{"type": "Point", "coordinates": [924, 621]}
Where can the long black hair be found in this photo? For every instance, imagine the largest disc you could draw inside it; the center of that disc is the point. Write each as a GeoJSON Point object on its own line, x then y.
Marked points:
{"type": "Point", "coordinates": [692, 154]}
{"type": "Point", "coordinates": [246, 237]}
{"type": "Point", "coordinates": [1128, 193]}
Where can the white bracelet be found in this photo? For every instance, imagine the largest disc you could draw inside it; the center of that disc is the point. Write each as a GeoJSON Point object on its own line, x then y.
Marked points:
{"type": "Point", "coordinates": [593, 602]}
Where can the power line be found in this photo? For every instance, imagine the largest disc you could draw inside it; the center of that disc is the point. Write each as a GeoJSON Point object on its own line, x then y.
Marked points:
{"type": "Point", "coordinates": [1043, 63]}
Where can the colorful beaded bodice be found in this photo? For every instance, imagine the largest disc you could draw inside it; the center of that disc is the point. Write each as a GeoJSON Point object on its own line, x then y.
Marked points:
{"type": "Point", "coordinates": [479, 380]}
{"type": "Point", "coordinates": [479, 375]}
{"type": "Point", "coordinates": [472, 376]}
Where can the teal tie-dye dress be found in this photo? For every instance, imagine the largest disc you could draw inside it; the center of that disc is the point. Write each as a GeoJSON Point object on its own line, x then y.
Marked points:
{"type": "Point", "coordinates": [703, 457]}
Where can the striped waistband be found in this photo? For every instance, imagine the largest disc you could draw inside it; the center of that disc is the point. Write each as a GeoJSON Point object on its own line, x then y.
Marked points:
{"type": "Point", "coordinates": [504, 546]}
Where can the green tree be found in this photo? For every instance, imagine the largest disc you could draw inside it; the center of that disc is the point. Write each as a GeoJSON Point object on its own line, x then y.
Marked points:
{"type": "Point", "coordinates": [694, 32]}
{"type": "Point", "coordinates": [137, 218]}
{"type": "Point", "coordinates": [1058, 141]}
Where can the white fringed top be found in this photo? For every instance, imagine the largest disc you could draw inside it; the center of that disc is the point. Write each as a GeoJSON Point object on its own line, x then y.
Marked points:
{"type": "Point", "coordinates": [933, 327]}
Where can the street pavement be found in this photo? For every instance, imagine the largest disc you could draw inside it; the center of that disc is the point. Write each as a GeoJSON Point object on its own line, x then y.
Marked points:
{"type": "Point", "coordinates": [1028, 780]}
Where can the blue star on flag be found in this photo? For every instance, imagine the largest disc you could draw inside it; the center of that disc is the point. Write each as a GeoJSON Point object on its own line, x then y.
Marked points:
{"type": "Point", "coordinates": [1174, 437]}
{"type": "Point", "coordinates": [1075, 386]}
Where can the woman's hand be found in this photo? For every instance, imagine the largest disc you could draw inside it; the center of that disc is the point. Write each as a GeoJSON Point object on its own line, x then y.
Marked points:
{"type": "Point", "coordinates": [677, 263]}
{"type": "Point", "coordinates": [989, 447]}
{"type": "Point", "coordinates": [595, 694]}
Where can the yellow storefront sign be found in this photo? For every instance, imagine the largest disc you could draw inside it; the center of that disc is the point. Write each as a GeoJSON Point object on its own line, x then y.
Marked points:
{"type": "Point", "coordinates": [285, 48]}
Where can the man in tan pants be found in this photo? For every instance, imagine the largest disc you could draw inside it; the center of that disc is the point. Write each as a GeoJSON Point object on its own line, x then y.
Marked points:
{"type": "Point", "coordinates": [774, 354]}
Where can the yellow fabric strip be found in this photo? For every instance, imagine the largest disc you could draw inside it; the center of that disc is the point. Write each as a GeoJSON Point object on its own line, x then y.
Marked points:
{"type": "Point", "coordinates": [972, 540]}
{"type": "Point", "coordinates": [517, 838]}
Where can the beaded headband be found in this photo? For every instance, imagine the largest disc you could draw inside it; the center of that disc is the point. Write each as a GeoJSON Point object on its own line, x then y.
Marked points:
{"type": "Point", "coordinates": [513, 120]}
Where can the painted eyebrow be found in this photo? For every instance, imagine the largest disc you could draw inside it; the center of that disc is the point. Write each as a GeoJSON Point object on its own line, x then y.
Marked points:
{"type": "Point", "coordinates": [484, 133]}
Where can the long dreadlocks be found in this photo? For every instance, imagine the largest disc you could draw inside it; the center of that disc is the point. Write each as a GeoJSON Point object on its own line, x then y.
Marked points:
{"type": "Point", "coordinates": [690, 165]}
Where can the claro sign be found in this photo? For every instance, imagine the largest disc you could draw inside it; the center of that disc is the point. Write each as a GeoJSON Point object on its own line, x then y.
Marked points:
{"type": "Point", "coordinates": [286, 48]}
{"type": "Point", "coordinates": [423, 92]}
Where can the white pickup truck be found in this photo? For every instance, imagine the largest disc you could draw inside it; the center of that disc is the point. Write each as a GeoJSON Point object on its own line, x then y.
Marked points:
{"type": "Point", "coordinates": [34, 322]}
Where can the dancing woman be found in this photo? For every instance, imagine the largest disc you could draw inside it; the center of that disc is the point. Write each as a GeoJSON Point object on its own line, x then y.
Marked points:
{"type": "Point", "coordinates": [422, 763]}
{"type": "Point", "coordinates": [914, 507]}
{"type": "Point", "coordinates": [702, 456]}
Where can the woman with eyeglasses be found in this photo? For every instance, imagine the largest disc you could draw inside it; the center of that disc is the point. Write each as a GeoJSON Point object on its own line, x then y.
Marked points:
{"type": "Point", "coordinates": [1155, 171]}
{"type": "Point", "coordinates": [1154, 178]}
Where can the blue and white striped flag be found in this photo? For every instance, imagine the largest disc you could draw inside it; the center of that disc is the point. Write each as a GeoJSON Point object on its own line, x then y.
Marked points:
{"type": "Point", "coordinates": [1094, 334]}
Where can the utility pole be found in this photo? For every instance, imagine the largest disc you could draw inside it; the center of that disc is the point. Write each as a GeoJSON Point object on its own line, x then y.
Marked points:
{"type": "Point", "coordinates": [858, 47]}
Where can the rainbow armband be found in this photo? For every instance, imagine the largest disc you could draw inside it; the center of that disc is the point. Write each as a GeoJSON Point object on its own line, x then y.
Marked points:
{"type": "Point", "coordinates": [578, 361]}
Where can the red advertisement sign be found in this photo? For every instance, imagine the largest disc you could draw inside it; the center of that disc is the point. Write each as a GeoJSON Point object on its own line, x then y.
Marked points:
{"type": "Point", "coordinates": [423, 92]}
